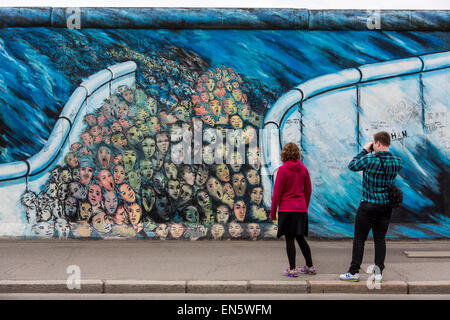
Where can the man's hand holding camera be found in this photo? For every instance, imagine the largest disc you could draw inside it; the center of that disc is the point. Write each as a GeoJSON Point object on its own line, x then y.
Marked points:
{"type": "Point", "coordinates": [368, 147]}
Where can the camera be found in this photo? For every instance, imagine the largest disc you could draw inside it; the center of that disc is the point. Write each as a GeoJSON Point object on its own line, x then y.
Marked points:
{"type": "Point", "coordinates": [371, 148]}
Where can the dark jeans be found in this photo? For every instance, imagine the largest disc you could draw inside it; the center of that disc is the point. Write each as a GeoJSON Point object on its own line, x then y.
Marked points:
{"type": "Point", "coordinates": [304, 247]}
{"type": "Point", "coordinates": [375, 217]}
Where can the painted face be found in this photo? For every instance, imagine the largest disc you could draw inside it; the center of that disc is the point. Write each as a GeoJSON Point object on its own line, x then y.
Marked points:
{"type": "Point", "coordinates": [152, 105]}
{"type": "Point", "coordinates": [87, 139]}
{"type": "Point", "coordinates": [127, 95]}
{"type": "Point", "coordinates": [214, 188]}
{"type": "Point", "coordinates": [217, 231]}
{"type": "Point", "coordinates": [153, 124]}
{"type": "Point", "coordinates": [258, 213]}
{"type": "Point", "coordinates": [271, 231]}
{"type": "Point", "coordinates": [253, 230]}
{"type": "Point", "coordinates": [188, 175]}
{"type": "Point", "coordinates": [124, 123]}
{"type": "Point", "coordinates": [215, 107]}
{"type": "Point", "coordinates": [256, 195]}
{"type": "Point", "coordinates": [127, 193]}
{"type": "Point", "coordinates": [236, 161]}
{"type": "Point", "coordinates": [86, 175]}
{"type": "Point", "coordinates": [106, 180]}
{"type": "Point", "coordinates": [63, 191]}
{"type": "Point", "coordinates": [160, 182]}
{"type": "Point", "coordinates": [120, 217]}
{"type": "Point", "coordinates": [134, 177]}
{"type": "Point", "coordinates": [235, 229]}
{"type": "Point", "coordinates": [176, 230]}
{"type": "Point", "coordinates": [223, 213]}
{"type": "Point", "coordinates": [77, 190]}
{"type": "Point", "coordinates": [118, 160]}
{"type": "Point", "coordinates": [244, 110]}
{"type": "Point", "coordinates": [142, 127]}
{"type": "Point", "coordinates": [195, 99]}
{"type": "Point", "coordinates": [253, 177]}
{"type": "Point", "coordinates": [162, 230]}
{"type": "Point", "coordinates": [72, 160]}
{"type": "Point", "coordinates": [236, 122]}
{"type": "Point", "coordinates": [185, 194]}
{"type": "Point", "coordinates": [148, 147]}
{"type": "Point", "coordinates": [85, 211]}
{"type": "Point", "coordinates": [95, 195]}
{"type": "Point", "coordinates": [119, 174]}
{"type": "Point", "coordinates": [95, 131]}
{"type": "Point", "coordinates": [111, 202]}
{"type": "Point", "coordinates": [239, 184]}
{"type": "Point", "coordinates": [119, 141]}
{"type": "Point", "coordinates": [192, 215]}
{"type": "Point", "coordinates": [201, 176]}
{"type": "Point", "coordinates": [171, 170]}
{"type": "Point", "coordinates": [28, 199]}
{"type": "Point", "coordinates": [146, 169]}
{"type": "Point", "coordinates": [230, 106]}
{"type": "Point", "coordinates": [43, 229]}
{"type": "Point", "coordinates": [90, 119]}
{"type": "Point", "coordinates": [122, 111]}
{"type": "Point", "coordinates": [116, 127]}
{"type": "Point", "coordinates": [163, 208]}
{"type": "Point", "coordinates": [129, 159]}
{"type": "Point", "coordinates": [101, 223]}
{"type": "Point", "coordinates": [204, 200]}
{"type": "Point", "coordinates": [237, 94]}
{"type": "Point", "coordinates": [134, 135]}
{"type": "Point", "coordinates": [52, 190]}
{"type": "Point", "coordinates": [157, 161]}
{"type": "Point", "coordinates": [209, 120]}
{"type": "Point", "coordinates": [254, 158]}
{"type": "Point", "coordinates": [162, 142]}
{"type": "Point", "coordinates": [204, 96]}
{"type": "Point", "coordinates": [134, 213]}
{"type": "Point", "coordinates": [76, 146]}
{"type": "Point", "coordinates": [255, 118]}
{"type": "Point", "coordinates": [208, 155]}
{"type": "Point", "coordinates": [148, 198]}
{"type": "Point", "coordinates": [174, 189]}
{"type": "Point", "coordinates": [223, 173]}
{"type": "Point", "coordinates": [240, 209]}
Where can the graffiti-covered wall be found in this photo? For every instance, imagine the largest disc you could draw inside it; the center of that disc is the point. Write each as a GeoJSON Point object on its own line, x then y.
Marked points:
{"type": "Point", "coordinates": [139, 130]}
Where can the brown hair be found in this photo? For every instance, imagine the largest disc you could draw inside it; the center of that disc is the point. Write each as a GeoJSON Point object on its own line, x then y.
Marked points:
{"type": "Point", "coordinates": [290, 152]}
{"type": "Point", "coordinates": [383, 137]}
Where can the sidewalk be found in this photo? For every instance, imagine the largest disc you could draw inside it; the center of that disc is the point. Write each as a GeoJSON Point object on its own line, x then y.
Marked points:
{"type": "Point", "coordinates": [133, 266]}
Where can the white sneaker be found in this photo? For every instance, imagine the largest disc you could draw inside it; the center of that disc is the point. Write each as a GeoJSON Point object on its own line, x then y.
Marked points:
{"type": "Point", "coordinates": [349, 277]}
{"type": "Point", "coordinates": [378, 278]}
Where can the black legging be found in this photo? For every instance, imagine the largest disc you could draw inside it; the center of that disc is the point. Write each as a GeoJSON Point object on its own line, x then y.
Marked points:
{"type": "Point", "coordinates": [290, 249]}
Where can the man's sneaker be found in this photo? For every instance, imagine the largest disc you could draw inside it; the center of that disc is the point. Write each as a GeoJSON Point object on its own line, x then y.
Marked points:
{"type": "Point", "coordinates": [378, 278]}
{"type": "Point", "coordinates": [307, 270]}
{"type": "Point", "coordinates": [291, 273]}
{"type": "Point", "coordinates": [349, 277]}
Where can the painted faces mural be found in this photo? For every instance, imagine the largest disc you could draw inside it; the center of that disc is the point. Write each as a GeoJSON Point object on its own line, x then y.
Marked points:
{"type": "Point", "coordinates": [129, 182]}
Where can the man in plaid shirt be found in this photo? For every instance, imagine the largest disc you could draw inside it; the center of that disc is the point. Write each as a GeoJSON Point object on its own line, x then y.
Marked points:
{"type": "Point", "coordinates": [374, 211]}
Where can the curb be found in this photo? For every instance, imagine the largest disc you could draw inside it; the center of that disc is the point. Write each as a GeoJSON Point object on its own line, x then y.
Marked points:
{"type": "Point", "coordinates": [49, 286]}
{"type": "Point", "coordinates": [224, 287]}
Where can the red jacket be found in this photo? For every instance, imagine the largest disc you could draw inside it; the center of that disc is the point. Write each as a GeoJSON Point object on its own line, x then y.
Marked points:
{"type": "Point", "coordinates": [292, 190]}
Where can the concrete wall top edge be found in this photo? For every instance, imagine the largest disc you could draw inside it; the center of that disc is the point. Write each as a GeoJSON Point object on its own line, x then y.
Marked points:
{"type": "Point", "coordinates": [227, 18]}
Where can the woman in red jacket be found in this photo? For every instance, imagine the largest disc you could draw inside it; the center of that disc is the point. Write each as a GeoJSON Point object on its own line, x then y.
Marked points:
{"type": "Point", "coordinates": [291, 195]}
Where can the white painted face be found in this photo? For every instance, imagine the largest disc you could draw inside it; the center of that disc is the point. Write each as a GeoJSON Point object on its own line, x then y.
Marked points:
{"type": "Point", "coordinates": [43, 229]}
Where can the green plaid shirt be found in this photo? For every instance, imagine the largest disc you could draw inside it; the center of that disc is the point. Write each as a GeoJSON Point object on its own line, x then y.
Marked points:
{"type": "Point", "coordinates": [375, 181]}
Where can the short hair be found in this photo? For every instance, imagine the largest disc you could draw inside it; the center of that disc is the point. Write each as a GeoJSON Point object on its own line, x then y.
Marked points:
{"type": "Point", "coordinates": [383, 137]}
{"type": "Point", "coordinates": [290, 152]}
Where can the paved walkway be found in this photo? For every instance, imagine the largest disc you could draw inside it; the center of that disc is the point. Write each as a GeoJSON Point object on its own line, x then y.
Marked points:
{"type": "Point", "coordinates": [185, 261]}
